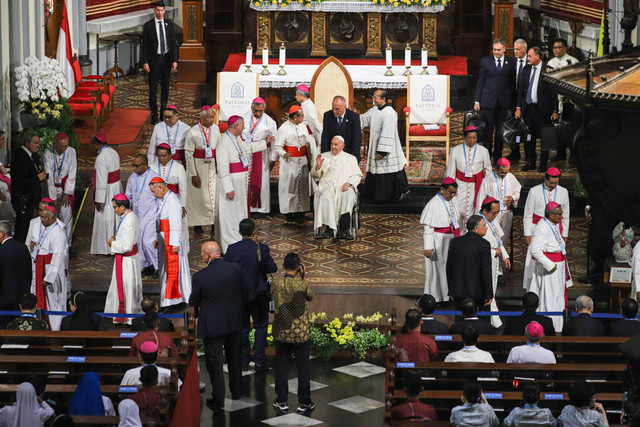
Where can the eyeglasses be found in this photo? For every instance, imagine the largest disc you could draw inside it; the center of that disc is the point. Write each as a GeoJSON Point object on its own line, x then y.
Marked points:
{"type": "Point", "coordinates": [137, 165]}
{"type": "Point", "coordinates": [169, 116]}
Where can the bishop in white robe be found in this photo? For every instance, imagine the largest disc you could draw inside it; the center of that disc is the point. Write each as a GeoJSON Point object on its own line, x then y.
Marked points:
{"type": "Point", "coordinates": [171, 131]}
{"type": "Point", "coordinates": [259, 127]}
{"type": "Point", "coordinates": [61, 164]}
{"type": "Point", "coordinates": [106, 182]}
{"type": "Point", "coordinates": [551, 276]}
{"type": "Point", "coordinates": [173, 246]}
{"type": "Point", "coordinates": [439, 219]}
{"type": "Point", "coordinates": [386, 178]}
{"type": "Point", "coordinates": [145, 205]}
{"type": "Point", "coordinates": [125, 290]}
{"type": "Point", "coordinates": [233, 156]}
{"type": "Point", "coordinates": [303, 97]}
{"type": "Point", "coordinates": [200, 156]}
{"type": "Point", "coordinates": [172, 172]}
{"type": "Point", "coordinates": [49, 253]}
{"type": "Point", "coordinates": [338, 177]}
{"type": "Point", "coordinates": [635, 273]}
{"type": "Point", "coordinates": [292, 146]}
{"type": "Point", "coordinates": [468, 164]}
{"type": "Point", "coordinates": [505, 188]}
{"type": "Point", "coordinates": [537, 199]}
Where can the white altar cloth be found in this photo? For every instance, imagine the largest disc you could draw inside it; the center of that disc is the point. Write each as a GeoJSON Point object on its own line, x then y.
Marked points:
{"type": "Point", "coordinates": [125, 21]}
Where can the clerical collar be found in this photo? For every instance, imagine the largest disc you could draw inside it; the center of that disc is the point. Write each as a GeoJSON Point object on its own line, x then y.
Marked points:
{"type": "Point", "coordinates": [385, 105]}
{"type": "Point", "coordinates": [533, 344]}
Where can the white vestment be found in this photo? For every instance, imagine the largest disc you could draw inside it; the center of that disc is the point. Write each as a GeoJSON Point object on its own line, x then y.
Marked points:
{"type": "Point", "coordinates": [293, 177]}
{"type": "Point", "coordinates": [438, 214]}
{"type": "Point", "coordinates": [6, 208]}
{"type": "Point", "coordinates": [468, 162]}
{"type": "Point", "coordinates": [635, 272]}
{"type": "Point", "coordinates": [315, 127]}
{"type": "Point", "coordinates": [499, 189]}
{"type": "Point", "coordinates": [537, 200]}
{"type": "Point", "coordinates": [233, 177]}
{"type": "Point", "coordinates": [62, 180]}
{"type": "Point", "coordinates": [53, 240]}
{"type": "Point", "coordinates": [550, 287]}
{"type": "Point", "coordinates": [165, 134]}
{"type": "Point", "coordinates": [384, 138]}
{"type": "Point", "coordinates": [330, 202]}
{"type": "Point", "coordinates": [145, 206]}
{"type": "Point", "coordinates": [494, 237]}
{"type": "Point", "coordinates": [170, 208]}
{"type": "Point", "coordinates": [255, 131]}
{"type": "Point", "coordinates": [104, 223]}
{"type": "Point", "coordinates": [174, 174]}
{"type": "Point", "coordinates": [200, 157]}
{"type": "Point", "coordinates": [126, 237]}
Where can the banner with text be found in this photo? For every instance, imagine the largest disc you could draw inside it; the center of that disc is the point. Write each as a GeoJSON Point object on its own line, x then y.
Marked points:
{"type": "Point", "coordinates": [428, 99]}
{"type": "Point", "coordinates": [235, 93]}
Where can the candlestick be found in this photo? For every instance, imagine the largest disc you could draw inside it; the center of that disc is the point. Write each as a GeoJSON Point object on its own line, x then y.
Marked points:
{"type": "Point", "coordinates": [407, 60]}
{"type": "Point", "coordinates": [424, 60]}
{"type": "Point", "coordinates": [249, 58]}
{"type": "Point", "coordinates": [388, 61]}
{"type": "Point", "coordinates": [265, 60]}
{"type": "Point", "coordinates": [283, 55]}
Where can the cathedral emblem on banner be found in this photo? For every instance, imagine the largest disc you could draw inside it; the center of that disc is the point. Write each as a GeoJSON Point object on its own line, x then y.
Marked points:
{"type": "Point", "coordinates": [237, 90]}
{"type": "Point", "coordinates": [428, 93]}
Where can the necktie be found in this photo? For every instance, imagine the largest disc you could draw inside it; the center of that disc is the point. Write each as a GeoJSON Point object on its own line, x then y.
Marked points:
{"type": "Point", "coordinates": [530, 89]}
{"type": "Point", "coordinates": [520, 67]}
{"type": "Point", "coordinates": [499, 65]}
{"type": "Point", "coordinates": [339, 121]}
{"type": "Point", "coordinates": [163, 46]}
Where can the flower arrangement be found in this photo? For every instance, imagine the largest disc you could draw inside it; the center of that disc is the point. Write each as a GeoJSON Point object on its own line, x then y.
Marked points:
{"type": "Point", "coordinates": [48, 8]}
{"type": "Point", "coordinates": [395, 3]}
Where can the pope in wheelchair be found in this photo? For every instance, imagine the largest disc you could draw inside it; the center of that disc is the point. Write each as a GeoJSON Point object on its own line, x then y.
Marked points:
{"type": "Point", "coordinates": [336, 196]}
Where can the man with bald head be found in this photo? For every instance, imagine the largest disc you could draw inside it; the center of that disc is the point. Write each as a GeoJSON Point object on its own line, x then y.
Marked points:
{"type": "Point", "coordinates": [344, 122]}
{"type": "Point", "coordinates": [220, 299]}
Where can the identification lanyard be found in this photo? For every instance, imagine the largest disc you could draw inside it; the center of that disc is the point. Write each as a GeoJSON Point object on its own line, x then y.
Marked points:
{"type": "Point", "coordinates": [138, 192]}
{"type": "Point", "coordinates": [544, 194]}
{"type": "Point", "coordinates": [467, 169]}
{"type": "Point", "coordinates": [166, 128]}
{"type": "Point", "coordinates": [557, 236]}
{"type": "Point", "coordinates": [493, 230]}
{"type": "Point", "coordinates": [41, 238]}
{"type": "Point", "coordinates": [205, 135]}
{"type": "Point", "coordinates": [253, 127]}
{"type": "Point", "coordinates": [100, 150]}
{"type": "Point", "coordinates": [533, 344]}
{"type": "Point", "coordinates": [501, 193]}
{"type": "Point", "coordinates": [241, 155]}
{"type": "Point", "coordinates": [164, 200]}
{"type": "Point", "coordinates": [160, 171]}
{"type": "Point", "coordinates": [452, 218]}
{"type": "Point", "coordinates": [122, 219]}
{"type": "Point", "coordinates": [57, 169]}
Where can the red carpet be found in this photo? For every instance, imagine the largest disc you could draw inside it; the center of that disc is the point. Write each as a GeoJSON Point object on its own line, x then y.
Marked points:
{"type": "Point", "coordinates": [123, 127]}
{"type": "Point", "coordinates": [449, 65]}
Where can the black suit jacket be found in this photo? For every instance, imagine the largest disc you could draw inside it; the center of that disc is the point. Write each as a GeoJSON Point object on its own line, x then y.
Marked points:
{"type": "Point", "coordinates": [515, 325]}
{"type": "Point", "coordinates": [469, 267]}
{"type": "Point", "coordinates": [245, 254]}
{"type": "Point", "coordinates": [15, 271]}
{"type": "Point", "coordinates": [547, 99]}
{"type": "Point", "coordinates": [150, 42]}
{"type": "Point", "coordinates": [220, 293]}
{"type": "Point", "coordinates": [166, 325]}
{"type": "Point", "coordinates": [482, 326]}
{"type": "Point", "coordinates": [350, 130]}
{"type": "Point", "coordinates": [24, 178]}
{"type": "Point", "coordinates": [624, 328]}
{"type": "Point", "coordinates": [583, 325]}
{"type": "Point", "coordinates": [496, 89]}
{"type": "Point", "coordinates": [433, 326]}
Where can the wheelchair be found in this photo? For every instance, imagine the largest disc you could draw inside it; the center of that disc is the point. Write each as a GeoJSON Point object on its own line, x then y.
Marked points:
{"type": "Point", "coordinates": [355, 220]}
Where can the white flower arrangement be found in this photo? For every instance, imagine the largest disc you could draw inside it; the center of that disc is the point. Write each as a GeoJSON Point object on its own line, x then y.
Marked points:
{"type": "Point", "coordinates": [39, 80]}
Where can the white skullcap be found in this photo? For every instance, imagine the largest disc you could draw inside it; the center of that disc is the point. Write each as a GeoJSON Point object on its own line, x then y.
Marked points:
{"type": "Point", "coordinates": [339, 137]}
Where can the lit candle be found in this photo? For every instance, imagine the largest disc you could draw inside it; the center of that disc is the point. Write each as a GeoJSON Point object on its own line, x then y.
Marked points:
{"type": "Point", "coordinates": [283, 54]}
{"type": "Point", "coordinates": [407, 56]}
{"type": "Point", "coordinates": [265, 55]}
{"type": "Point", "coordinates": [388, 56]}
{"type": "Point", "coordinates": [425, 57]}
{"type": "Point", "coordinates": [249, 56]}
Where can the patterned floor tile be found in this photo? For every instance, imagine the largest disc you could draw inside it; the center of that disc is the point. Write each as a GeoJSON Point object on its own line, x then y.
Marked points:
{"type": "Point", "coordinates": [293, 385]}
{"type": "Point", "coordinates": [357, 404]}
{"type": "Point", "coordinates": [292, 420]}
{"type": "Point", "coordinates": [237, 405]}
{"type": "Point", "coordinates": [360, 369]}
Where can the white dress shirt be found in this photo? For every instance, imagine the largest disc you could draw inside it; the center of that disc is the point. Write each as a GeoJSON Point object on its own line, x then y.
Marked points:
{"type": "Point", "coordinates": [164, 31]}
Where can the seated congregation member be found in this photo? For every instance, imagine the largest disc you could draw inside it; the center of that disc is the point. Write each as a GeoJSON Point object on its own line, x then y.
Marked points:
{"type": "Point", "coordinates": [583, 410]}
{"type": "Point", "coordinates": [469, 310]}
{"type": "Point", "coordinates": [515, 325]}
{"type": "Point", "coordinates": [147, 399]}
{"type": "Point", "coordinates": [531, 352]}
{"type": "Point", "coordinates": [150, 305]}
{"type": "Point", "coordinates": [27, 320]}
{"type": "Point", "coordinates": [413, 409]}
{"type": "Point", "coordinates": [530, 414]}
{"type": "Point", "coordinates": [88, 399]}
{"type": "Point", "coordinates": [427, 305]}
{"type": "Point", "coordinates": [419, 347]}
{"type": "Point", "coordinates": [339, 175]}
{"type": "Point", "coordinates": [470, 353]}
{"type": "Point", "coordinates": [475, 410]}
{"type": "Point", "coordinates": [583, 325]}
{"type": "Point", "coordinates": [29, 409]}
{"type": "Point", "coordinates": [629, 325]}
{"type": "Point", "coordinates": [164, 342]}
{"type": "Point", "coordinates": [83, 317]}
{"type": "Point", "coordinates": [148, 356]}
{"type": "Point", "coordinates": [129, 414]}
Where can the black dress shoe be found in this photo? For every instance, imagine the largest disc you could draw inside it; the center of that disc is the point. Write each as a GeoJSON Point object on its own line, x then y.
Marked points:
{"type": "Point", "coordinates": [327, 234]}
{"type": "Point", "coordinates": [198, 229]}
{"type": "Point", "coordinates": [260, 368]}
{"type": "Point", "coordinates": [404, 195]}
{"type": "Point", "coordinates": [257, 215]}
{"type": "Point", "coordinates": [543, 168]}
{"type": "Point", "coordinates": [529, 167]}
{"type": "Point", "coordinates": [513, 158]}
{"type": "Point", "coordinates": [147, 271]}
{"type": "Point", "coordinates": [343, 235]}
{"type": "Point", "coordinates": [155, 274]}
{"type": "Point", "coordinates": [214, 403]}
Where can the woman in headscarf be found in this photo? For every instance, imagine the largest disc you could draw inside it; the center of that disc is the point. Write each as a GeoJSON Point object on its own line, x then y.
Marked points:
{"type": "Point", "coordinates": [88, 399]}
{"type": "Point", "coordinates": [28, 411]}
{"type": "Point", "coordinates": [129, 414]}
{"type": "Point", "coordinates": [83, 318]}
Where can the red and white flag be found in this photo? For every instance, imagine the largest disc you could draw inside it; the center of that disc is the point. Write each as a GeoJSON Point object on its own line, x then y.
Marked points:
{"type": "Point", "coordinates": [64, 55]}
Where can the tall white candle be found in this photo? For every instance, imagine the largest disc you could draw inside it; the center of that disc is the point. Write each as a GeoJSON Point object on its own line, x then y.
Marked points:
{"type": "Point", "coordinates": [424, 57]}
{"type": "Point", "coordinates": [407, 56]}
{"type": "Point", "coordinates": [265, 55]}
{"type": "Point", "coordinates": [283, 55]}
{"type": "Point", "coordinates": [388, 56]}
{"type": "Point", "coordinates": [249, 57]}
